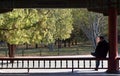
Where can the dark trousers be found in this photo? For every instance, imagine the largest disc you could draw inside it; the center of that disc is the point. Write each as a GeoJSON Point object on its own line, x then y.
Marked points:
{"type": "Point", "coordinates": [97, 63]}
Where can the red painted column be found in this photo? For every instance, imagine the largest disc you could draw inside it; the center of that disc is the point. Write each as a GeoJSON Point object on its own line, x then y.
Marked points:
{"type": "Point", "coordinates": [113, 41]}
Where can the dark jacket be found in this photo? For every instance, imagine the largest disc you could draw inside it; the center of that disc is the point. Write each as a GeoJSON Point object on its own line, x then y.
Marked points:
{"type": "Point", "coordinates": [102, 49]}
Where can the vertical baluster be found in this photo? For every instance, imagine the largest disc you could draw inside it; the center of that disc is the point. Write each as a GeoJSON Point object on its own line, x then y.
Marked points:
{"type": "Point", "coordinates": [78, 64]}
{"type": "Point", "coordinates": [38, 63]}
{"type": "Point", "coordinates": [118, 63]}
{"type": "Point", "coordinates": [55, 63]}
{"type": "Point", "coordinates": [102, 63]}
{"type": "Point", "coordinates": [66, 63]}
{"type": "Point", "coordinates": [7, 63]}
{"type": "Point", "coordinates": [17, 64]}
{"type": "Point", "coordinates": [28, 65]}
{"type": "Point", "coordinates": [72, 65]}
{"type": "Point", "coordinates": [49, 63]}
{"type": "Point", "coordinates": [22, 63]}
{"type": "Point", "coordinates": [33, 63]}
{"type": "Point", "coordinates": [89, 63]}
{"type": "Point", "coordinates": [60, 63]}
{"type": "Point", "coordinates": [84, 64]}
{"type": "Point", "coordinates": [44, 63]}
{"type": "Point", "coordinates": [2, 64]}
{"type": "Point", "coordinates": [12, 63]}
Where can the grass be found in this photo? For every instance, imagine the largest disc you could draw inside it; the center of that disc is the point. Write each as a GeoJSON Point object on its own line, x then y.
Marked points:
{"type": "Point", "coordinates": [74, 50]}
{"type": "Point", "coordinates": [80, 49]}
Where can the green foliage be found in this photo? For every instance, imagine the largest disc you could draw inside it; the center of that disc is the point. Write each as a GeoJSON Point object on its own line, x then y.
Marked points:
{"type": "Point", "coordinates": [35, 25]}
{"type": "Point", "coordinates": [63, 24]}
{"type": "Point", "coordinates": [14, 28]}
{"type": "Point", "coordinates": [78, 17]}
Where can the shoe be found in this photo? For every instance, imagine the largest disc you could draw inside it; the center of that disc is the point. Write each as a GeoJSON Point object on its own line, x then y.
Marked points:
{"type": "Point", "coordinates": [96, 69]}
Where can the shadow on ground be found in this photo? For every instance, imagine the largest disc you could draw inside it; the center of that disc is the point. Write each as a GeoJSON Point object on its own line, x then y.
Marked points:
{"type": "Point", "coordinates": [60, 74]}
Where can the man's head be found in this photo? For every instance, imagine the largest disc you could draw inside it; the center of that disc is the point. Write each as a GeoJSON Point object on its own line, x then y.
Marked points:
{"type": "Point", "coordinates": [99, 38]}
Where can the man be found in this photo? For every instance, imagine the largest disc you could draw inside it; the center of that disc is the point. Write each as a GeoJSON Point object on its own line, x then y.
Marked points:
{"type": "Point", "coordinates": [101, 50]}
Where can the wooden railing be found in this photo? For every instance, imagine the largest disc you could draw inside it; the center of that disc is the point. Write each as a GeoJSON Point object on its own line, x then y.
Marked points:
{"type": "Point", "coordinates": [52, 63]}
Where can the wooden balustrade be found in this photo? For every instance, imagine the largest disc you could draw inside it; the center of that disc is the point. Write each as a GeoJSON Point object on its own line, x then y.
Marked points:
{"type": "Point", "coordinates": [52, 63]}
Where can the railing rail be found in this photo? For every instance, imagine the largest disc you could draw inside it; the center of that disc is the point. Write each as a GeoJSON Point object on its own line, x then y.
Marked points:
{"type": "Point", "coordinates": [52, 63]}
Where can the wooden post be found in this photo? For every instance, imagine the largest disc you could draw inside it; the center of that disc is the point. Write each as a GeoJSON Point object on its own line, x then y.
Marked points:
{"type": "Point", "coordinates": [113, 66]}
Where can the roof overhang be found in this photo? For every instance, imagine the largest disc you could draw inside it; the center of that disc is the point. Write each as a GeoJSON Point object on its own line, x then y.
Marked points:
{"type": "Point", "coordinates": [100, 6]}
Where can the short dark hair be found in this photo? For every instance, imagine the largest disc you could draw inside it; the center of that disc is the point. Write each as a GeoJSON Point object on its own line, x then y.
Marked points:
{"type": "Point", "coordinates": [101, 37]}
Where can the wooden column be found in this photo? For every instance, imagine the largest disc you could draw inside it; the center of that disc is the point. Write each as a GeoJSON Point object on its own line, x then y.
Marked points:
{"type": "Point", "coordinates": [113, 41]}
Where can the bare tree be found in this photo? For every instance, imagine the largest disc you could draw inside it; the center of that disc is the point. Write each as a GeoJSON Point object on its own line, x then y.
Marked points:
{"type": "Point", "coordinates": [94, 27]}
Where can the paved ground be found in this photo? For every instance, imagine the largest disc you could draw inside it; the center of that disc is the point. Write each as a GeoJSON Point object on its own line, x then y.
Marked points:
{"type": "Point", "coordinates": [55, 72]}
{"type": "Point", "coordinates": [60, 74]}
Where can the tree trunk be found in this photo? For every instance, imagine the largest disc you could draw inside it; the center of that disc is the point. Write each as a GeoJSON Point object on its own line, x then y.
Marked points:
{"type": "Point", "coordinates": [59, 43]}
{"type": "Point", "coordinates": [72, 42]}
{"type": "Point", "coordinates": [75, 42]}
{"type": "Point", "coordinates": [36, 45]}
{"type": "Point", "coordinates": [94, 28]}
{"type": "Point", "coordinates": [69, 43]}
{"type": "Point", "coordinates": [27, 46]}
{"type": "Point", "coordinates": [51, 46]}
{"type": "Point", "coordinates": [65, 43]}
{"type": "Point", "coordinates": [11, 48]}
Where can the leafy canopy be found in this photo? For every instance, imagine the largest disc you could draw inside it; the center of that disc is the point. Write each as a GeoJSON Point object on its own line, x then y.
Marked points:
{"type": "Point", "coordinates": [35, 25]}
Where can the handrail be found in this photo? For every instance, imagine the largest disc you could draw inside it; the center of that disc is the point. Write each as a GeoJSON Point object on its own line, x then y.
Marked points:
{"type": "Point", "coordinates": [58, 58]}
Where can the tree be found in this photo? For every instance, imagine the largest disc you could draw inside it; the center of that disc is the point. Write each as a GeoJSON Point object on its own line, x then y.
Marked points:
{"type": "Point", "coordinates": [56, 21]}
{"type": "Point", "coordinates": [77, 34]}
{"type": "Point", "coordinates": [63, 23]}
{"type": "Point", "coordinates": [13, 27]}
{"type": "Point", "coordinates": [34, 26]}
{"type": "Point", "coordinates": [92, 24]}
{"type": "Point", "coordinates": [64, 26]}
